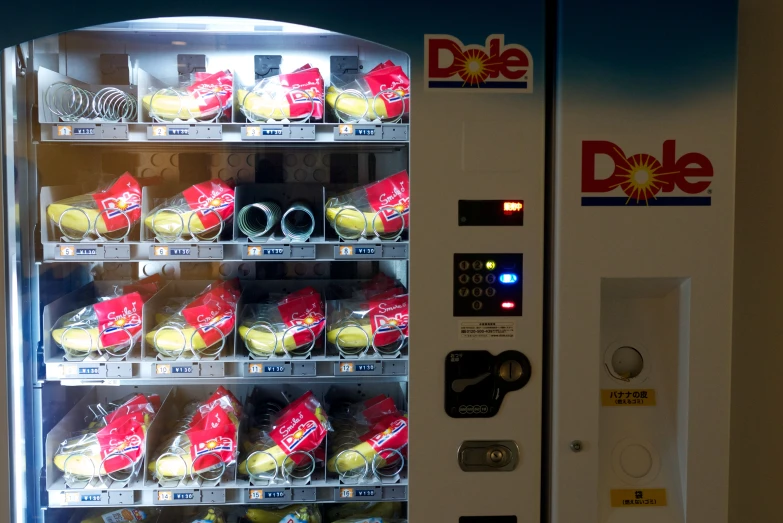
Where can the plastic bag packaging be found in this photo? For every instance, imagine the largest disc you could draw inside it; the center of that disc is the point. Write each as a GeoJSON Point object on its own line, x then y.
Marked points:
{"type": "Point", "coordinates": [283, 514]}
{"type": "Point", "coordinates": [203, 443]}
{"type": "Point", "coordinates": [380, 323]}
{"type": "Point", "coordinates": [109, 327]}
{"type": "Point", "coordinates": [379, 209]}
{"type": "Point", "coordinates": [200, 212]}
{"type": "Point", "coordinates": [370, 440]}
{"type": "Point", "coordinates": [296, 96]}
{"type": "Point", "coordinates": [289, 327]}
{"type": "Point", "coordinates": [201, 327]}
{"type": "Point", "coordinates": [121, 515]}
{"type": "Point", "coordinates": [384, 509]}
{"type": "Point", "coordinates": [207, 98]}
{"type": "Point", "coordinates": [207, 515]}
{"type": "Point", "coordinates": [291, 449]}
{"type": "Point", "coordinates": [383, 95]}
{"type": "Point", "coordinates": [112, 446]}
{"type": "Point", "coordinates": [107, 215]}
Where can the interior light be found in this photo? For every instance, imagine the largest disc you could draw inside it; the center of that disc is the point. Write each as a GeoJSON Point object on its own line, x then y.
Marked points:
{"type": "Point", "coordinates": [508, 278]}
{"type": "Point", "coordinates": [508, 304]}
{"type": "Point", "coordinates": [490, 265]}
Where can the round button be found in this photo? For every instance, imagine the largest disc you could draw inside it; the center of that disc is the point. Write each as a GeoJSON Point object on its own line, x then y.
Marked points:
{"type": "Point", "coordinates": [490, 278]}
{"type": "Point", "coordinates": [477, 305]}
{"type": "Point", "coordinates": [636, 461]}
{"type": "Point", "coordinates": [463, 292]}
{"type": "Point", "coordinates": [477, 278]}
{"type": "Point", "coordinates": [490, 292]}
{"type": "Point", "coordinates": [484, 409]}
{"type": "Point", "coordinates": [464, 278]}
{"type": "Point", "coordinates": [462, 409]}
{"type": "Point", "coordinates": [464, 265]}
{"type": "Point", "coordinates": [496, 456]}
{"type": "Point", "coordinates": [510, 370]}
{"type": "Point", "coordinates": [478, 265]}
{"type": "Point", "coordinates": [477, 292]}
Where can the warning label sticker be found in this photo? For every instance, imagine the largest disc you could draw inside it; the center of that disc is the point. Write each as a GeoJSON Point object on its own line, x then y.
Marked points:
{"type": "Point", "coordinates": [653, 497]}
{"type": "Point", "coordinates": [472, 330]}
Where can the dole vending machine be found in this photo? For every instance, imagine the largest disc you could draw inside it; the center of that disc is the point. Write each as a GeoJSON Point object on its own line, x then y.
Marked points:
{"type": "Point", "coordinates": [274, 271]}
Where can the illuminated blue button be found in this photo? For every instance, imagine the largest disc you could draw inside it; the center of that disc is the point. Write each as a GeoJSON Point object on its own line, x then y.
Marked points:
{"type": "Point", "coordinates": [508, 278]}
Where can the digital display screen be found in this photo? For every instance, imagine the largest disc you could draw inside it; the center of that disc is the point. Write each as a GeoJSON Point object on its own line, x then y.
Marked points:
{"type": "Point", "coordinates": [491, 213]}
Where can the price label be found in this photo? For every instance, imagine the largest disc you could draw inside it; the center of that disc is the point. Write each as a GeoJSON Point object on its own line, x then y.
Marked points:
{"type": "Point", "coordinates": [182, 370]}
{"type": "Point", "coordinates": [272, 132]}
{"type": "Point", "coordinates": [346, 250]}
{"type": "Point", "coordinates": [180, 252]}
{"type": "Point", "coordinates": [67, 250]}
{"type": "Point", "coordinates": [346, 367]}
{"type": "Point", "coordinates": [164, 495]}
{"type": "Point", "coordinates": [365, 250]}
{"type": "Point", "coordinates": [256, 494]}
{"type": "Point", "coordinates": [346, 493]}
{"type": "Point", "coordinates": [162, 368]}
{"type": "Point", "coordinates": [89, 370]}
{"type": "Point", "coordinates": [364, 493]}
{"type": "Point", "coordinates": [183, 495]}
{"type": "Point", "coordinates": [365, 132]}
{"type": "Point", "coordinates": [86, 252]}
{"type": "Point", "coordinates": [365, 367]}
{"type": "Point", "coordinates": [90, 497]}
{"type": "Point", "coordinates": [346, 129]}
{"type": "Point", "coordinates": [83, 130]}
{"type": "Point", "coordinates": [161, 250]}
{"type": "Point", "coordinates": [275, 494]}
{"type": "Point", "coordinates": [260, 368]}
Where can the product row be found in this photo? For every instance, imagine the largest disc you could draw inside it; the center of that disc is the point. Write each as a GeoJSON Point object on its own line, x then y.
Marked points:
{"type": "Point", "coordinates": [381, 95]}
{"type": "Point", "coordinates": [214, 210]}
{"type": "Point", "coordinates": [186, 320]}
{"type": "Point", "coordinates": [191, 438]}
{"type": "Point", "coordinates": [370, 512]}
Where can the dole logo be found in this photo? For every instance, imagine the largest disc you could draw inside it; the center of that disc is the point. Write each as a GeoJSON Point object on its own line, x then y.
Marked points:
{"type": "Point", "coordinates": [642, 179]}
{"type": "Point", "coordinates": [496, 66]}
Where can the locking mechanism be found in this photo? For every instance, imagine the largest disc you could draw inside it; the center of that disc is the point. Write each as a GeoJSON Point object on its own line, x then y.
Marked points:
{"type": "Point", "coordinates": [488, 456]}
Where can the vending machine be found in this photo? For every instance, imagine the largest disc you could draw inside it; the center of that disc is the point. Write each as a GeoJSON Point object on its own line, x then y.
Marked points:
{"type": "Point", "coordinates": [260, 271]}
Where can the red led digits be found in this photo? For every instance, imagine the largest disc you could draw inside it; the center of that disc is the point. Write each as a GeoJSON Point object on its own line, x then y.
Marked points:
{"type": "Point", "coordinates": [512, 207]}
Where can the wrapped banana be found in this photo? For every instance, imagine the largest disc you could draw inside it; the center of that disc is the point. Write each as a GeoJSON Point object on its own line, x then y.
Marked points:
{"type": "Point", "coordinates": [200, 328]}
{"type": "Point", "coordinates": [382, 94]}
{"type": "Point", "coordinates": [295, 96]}
{"type": "Point", "coordinates": [200, 212]}
{"type": "Point", "coordinates": [305, 513]}
{"type": "Point", "coordinates": [290, 326]}
{"type": "Point", "coordinates": [379, 209]}
{"type": "Point", "coordinates": [380, 323]}
{"type": "Point", "coordinates": [121, 515]}
{"type": "Point", "coordinates": [207, 98]}
{"type": "Point", "coordinates": [109, 214]}
{"type": "Point", "coordinates": [113, 443]}
{"type": "Point", "coordinates": [296, 433]}
{"type": "Point", "coordinates": [203, 443]}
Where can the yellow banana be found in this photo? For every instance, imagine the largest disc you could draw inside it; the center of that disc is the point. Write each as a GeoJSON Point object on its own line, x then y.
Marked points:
{"type": "Point", "coordinates": [357, 106]}
{"type": "Point", "coordinates": [265, 461]}
{"type": "Point", "coordinates": [261, 342]}
{"type": "Point", "coordinates": [82, 340]}
{"type": "Point", "coordinates": [172, 466]}
{"type": "Point", "coordinates": [352, 222]}
{"type": "Point", "coordinates": [171, 341]}
{"type": "Point", "coordinates": [76, 219]}
{"type": "Point", "coordinates": [170, 107]}
{"type": "Point", "coordinates": [169, 224]}
{"type": "Point", "coordinates": [263, 107]}
{"type": "Point", "coordinates": [353, 460]}
{"type": "Point", "coordinates": [350, 337]}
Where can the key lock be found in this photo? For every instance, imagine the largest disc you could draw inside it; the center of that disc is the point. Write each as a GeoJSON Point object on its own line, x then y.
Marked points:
{"type": "Point", "coordinates": [476, 383]}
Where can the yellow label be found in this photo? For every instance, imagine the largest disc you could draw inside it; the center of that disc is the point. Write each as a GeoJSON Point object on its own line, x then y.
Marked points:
{"type": "Point", "coordinates": [164, 495]}
{"type": "Point", "coordinates": [346, 129]}
{"type": "Point", "coordinates": [67, 250]}
{"type": "Point", "coordinates": [255, 368]}
{"type": "Point", "coordinates": [161, 250]}
{"type": "Point", "coordinates": [71, 497]}
{"type": "Point", "coordinates": [346, 367]}
{"type": "Point", "coordinates": [254, 250]}
{"type": "Point", "coordinates": [64, 130]}
{"type": "Point", "coordinates": [346, 493]}
{"type": "Point", "coordinates": [159, 130]}
{"type": "Point", "coordinates": [346, 250]}
{"type": "Point", "coordinates": [256, 494]}
{"type": "Point", "coordinates": [252, 131]}
{"type": "Point", "coordinates": [649, 497]}
{"type": "Point", "coordinates": [162, 368]}
{"type": "Point", "coordinates": [628, 397]}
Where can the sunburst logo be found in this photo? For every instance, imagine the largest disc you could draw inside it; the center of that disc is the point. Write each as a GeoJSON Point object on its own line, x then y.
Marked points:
{"type": "Point", "coordinates": [211, 445]}
{"type": "Point", "coordinates": [309, 320]}
{"type": "Point", "coordinates": [643, 177]}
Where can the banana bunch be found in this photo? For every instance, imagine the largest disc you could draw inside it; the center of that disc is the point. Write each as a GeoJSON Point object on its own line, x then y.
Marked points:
{"type": "Point", "coordinates": [355, 106]}
{"type": "Point", "coordinates": [263, 343]}
{"type": "Point", "coordinates": [81, 340]}
{"type": "Point", "coordinates": [121, 515]}
{"type": "Point", "coordinates": [351, 336]}
{"type": "Point", "coordinates": [169, 224]}
{"type": "Point", "coordinates": [370, 509]}
{"type": "Point", "coordinates": [357, 457]}
{"type": "Point", "coordinates": [350, 223]}
{"type": "Point", "coordinates": [212, 514]}
{"type": "Point", "coordinates": [170, 341]}
{"type": "Point", "coordinates": [303, 513]}
{"type": "Point", "coordinates": [77, 219]}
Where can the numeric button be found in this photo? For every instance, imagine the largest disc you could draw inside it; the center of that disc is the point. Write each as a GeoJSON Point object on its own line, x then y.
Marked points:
{"type": "Point", "coordinates": [464, 292]}
{"type": "Point", "coordinates": [464, 278]}
{"type": "Point", "coordinates": [477, 292]}
{"type": "Point", "coordinates": [464, 265]}
{"type": "Point", "coordinates": [478, 265]}
{"type": "Point", "coordinates": [477, 278]}
{"type": "Point", "coordinates": [490, 279]}
{"type": "Point", "coordinates": [490, 292]}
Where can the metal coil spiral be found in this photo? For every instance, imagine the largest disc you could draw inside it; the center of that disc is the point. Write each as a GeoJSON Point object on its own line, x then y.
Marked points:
{"type": "Point", "coordinates": [298, 222]}
{"type": "Point", "coordinates": [257, 219]}
{"type": "Point", "coordinates": [72, 103]}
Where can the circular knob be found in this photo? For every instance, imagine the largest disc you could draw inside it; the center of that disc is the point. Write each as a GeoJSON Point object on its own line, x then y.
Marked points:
{"type": "Point", "coordinates": [510, 370]}
{"type": "Point", "coordinates": [496, 456]}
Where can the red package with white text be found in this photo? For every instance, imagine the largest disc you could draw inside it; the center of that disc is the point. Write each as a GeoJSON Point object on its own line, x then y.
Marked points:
{"type": "Point", "coordinates": [122, 442]}
{"type": "Point", "coordinates": [391, 196]}
{"type": "Point", "coordinates": [300, 427]}
{"type": "Point", "coordinates": [394, 436]}
{"type": "Point", "coordinates": [297, 95]}
{"type": "Point", "coordinates": [389, 319]}
{"type": "Point", "coordinates": [213, 440]}
{"type": "Point", "coordinates": [393, 84]}
{"type": "Point", "coordinates": [221, 398]}
{"type": "Point", "coordinates": [121, 202]}
{"type": "Point", "coordinates": [147, 287]}
{"type": "Point", "coordinates": [212, 201]}
{"type": "Point", "coordinates": [212, 313]}
{"type": "Point", "coordinates": [212, 92]}
{"type": "Point", "coordinates": [305, 316]}
{"type": "Point", "coordinates": [119, 319]}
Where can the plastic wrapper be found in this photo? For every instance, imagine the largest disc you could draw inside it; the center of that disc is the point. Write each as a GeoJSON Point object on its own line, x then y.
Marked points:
{"type": "Point", "coordinates": [384, 509]}
{"type": "Point", "coordinates": [370, 440]}
{"type": "Point", "coordinates": [207, 98]}
{"type": "Point", "coordinates": [296, 96]}
{"type": "Point", "coordinates": [110, 327]}
{"type": "Point", "coordinates": [200, 212]}
{"type": "Point", "coordinates": [202, 444]}
{"type": "Point", "coordinates": [379, 209]}
{"type": "Point", "coordinates": [383, 94]}
{"type": "Point", "coordinates": [112, 445]}
{"type": "Point", "coordinates": [378, 324]}
{"type": "Point", "coordinates": [121, 515]}
{"type": "Point", "coordinates": [286, 445]}
{"type": "Point", "coordinates": [201, 327]}
{"type": "Point", "coordinates": [283, 514]}
{"type": "Point", "coordinates": [207, 515]}
{"type": "Point", "coordinates": [288, 327]}
{"type": "Point", "coordinates": [108, 214]}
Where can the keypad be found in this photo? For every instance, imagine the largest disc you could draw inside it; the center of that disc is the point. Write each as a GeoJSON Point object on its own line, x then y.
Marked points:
{"type": "Point", "coordinates": [478, 290]}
